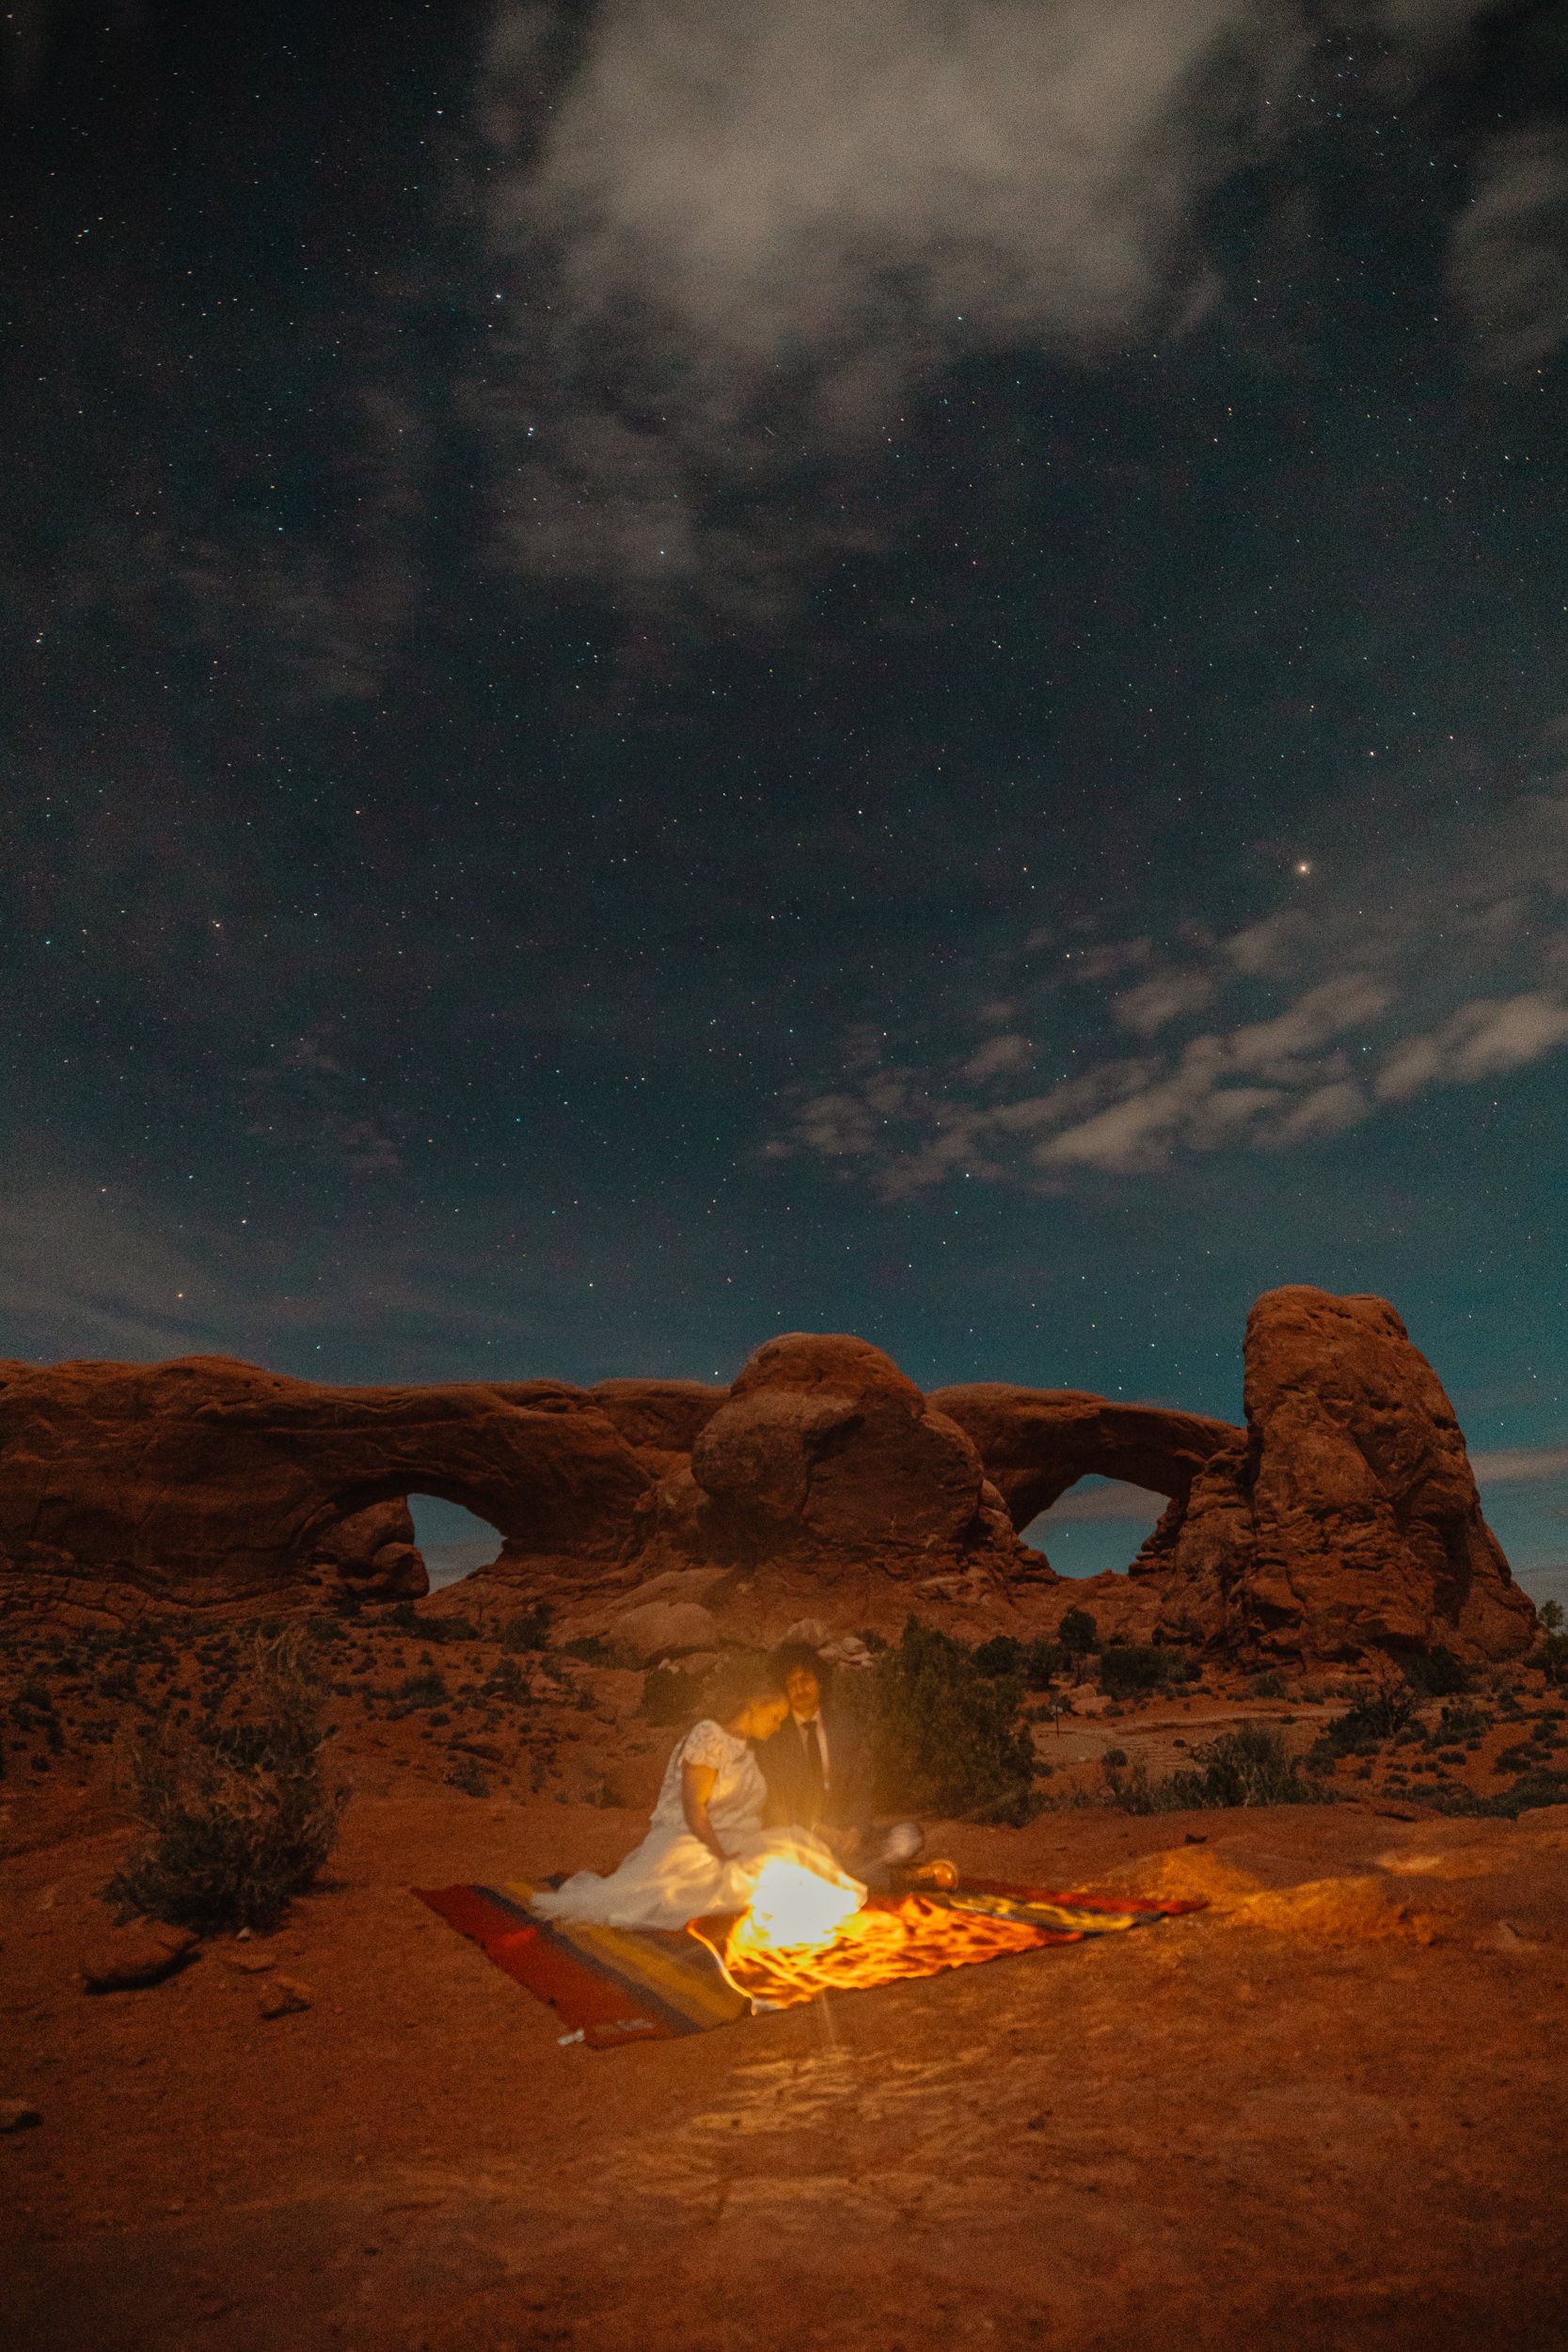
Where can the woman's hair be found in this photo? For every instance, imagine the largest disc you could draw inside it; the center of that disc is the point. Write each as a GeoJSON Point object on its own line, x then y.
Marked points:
{"type": "Point", "coordinates": [739, 1681]}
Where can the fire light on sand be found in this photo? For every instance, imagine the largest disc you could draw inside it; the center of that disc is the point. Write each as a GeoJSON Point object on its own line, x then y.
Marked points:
{"type": "Point", "coordinates": [804, 1935]}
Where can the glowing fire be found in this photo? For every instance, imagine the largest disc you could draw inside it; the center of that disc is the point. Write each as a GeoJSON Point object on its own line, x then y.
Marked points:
{"type": "Point", "coordinates": [804, 1935]}
{"type": "Point", "coordinates": [792, 1905]}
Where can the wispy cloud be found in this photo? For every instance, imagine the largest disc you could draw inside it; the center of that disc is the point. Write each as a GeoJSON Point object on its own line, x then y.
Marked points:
{"type": "Point", "coordinates": [82, 1275]}
{"type": "Point", "coordinates": [1446, 968]}
{"type": "Point", "coordinates": [306, 1095]}
{"type": "Point", "coordinates": [1521, 1465]}
{"type": "Point", "coordinates": [1509, 259]}
{"type": "Point", "coordinates": [739, 236]}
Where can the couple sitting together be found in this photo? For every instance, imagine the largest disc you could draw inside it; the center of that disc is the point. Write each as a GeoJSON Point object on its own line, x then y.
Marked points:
{"type": "Point", "coordinates": [775, 1770]}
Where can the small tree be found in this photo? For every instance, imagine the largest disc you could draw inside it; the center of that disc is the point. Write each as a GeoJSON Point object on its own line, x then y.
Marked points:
{"type": "Point", "coordinates": [237, 1817]}
{"type": "Point", "coordinates": [945, 1737]}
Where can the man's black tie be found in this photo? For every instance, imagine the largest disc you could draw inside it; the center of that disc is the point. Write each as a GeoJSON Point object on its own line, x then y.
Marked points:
{"type": "Point", "coordinates": [810, 1750]}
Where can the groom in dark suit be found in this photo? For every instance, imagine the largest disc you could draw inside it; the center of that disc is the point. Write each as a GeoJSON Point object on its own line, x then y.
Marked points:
{"type": "Point", "coordinates": [818, 1773]}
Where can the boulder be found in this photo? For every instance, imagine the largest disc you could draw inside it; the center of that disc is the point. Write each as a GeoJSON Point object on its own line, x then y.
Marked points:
{"type": "Point", "coordinates": [665, 1629]}
{"type": "Point", "coordinates": [284, 1997]}
{"type": "Point", "coordinates": [825, 1449]}
{"type": "Point", "coordinates": [125, 1959]}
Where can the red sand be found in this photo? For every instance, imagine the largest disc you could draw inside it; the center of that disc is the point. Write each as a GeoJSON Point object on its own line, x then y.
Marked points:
{"type": "Point", "coordinates": [1329, 2112]}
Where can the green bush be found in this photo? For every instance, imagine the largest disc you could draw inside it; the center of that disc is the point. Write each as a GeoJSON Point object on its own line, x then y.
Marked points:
{"type": "Point", "coordinates": [1248, 1766]}
{"type": "Point", "coordinates": [1436, 1672]}
{"type": "Point", "coordinates": [1365, 1726]}
{"type": "Point", "coordinates": [1128, 1668]}
{"type": "Point", "coordinates": [238, 1818]}
{"type": "Point", "coordinates": [1551, 1652]}
{"type": "Point", "coordinates": [1001, 1656]}
{"type": "Point", "coordinates": [465, 1775]}
{"type": "Point", "coordinates": [1034, 1663]}
{"type": "Point", "coordinates": [529, 1630]}
{"type": "Point", "coordinates": [1078, 1633]}
{"type": "Point", "coordinates": [945, 1738]}
{"type": "Point", "coordinates": [589, 1649]}
{"type": "Point", "coordinates": [1464, 1721]}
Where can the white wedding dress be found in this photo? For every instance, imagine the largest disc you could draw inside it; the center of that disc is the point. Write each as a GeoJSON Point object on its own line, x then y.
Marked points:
{"type": "Point", "coordinates": [671, 1877]}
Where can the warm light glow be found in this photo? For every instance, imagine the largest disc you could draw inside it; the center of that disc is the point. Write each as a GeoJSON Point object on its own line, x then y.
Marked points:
{"type": "Point", "coordinates": [793, 1905]}
{"type": "Point", "coordinates": [914, 1938]}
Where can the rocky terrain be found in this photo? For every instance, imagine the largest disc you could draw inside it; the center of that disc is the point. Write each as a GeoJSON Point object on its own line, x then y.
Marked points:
{"type": "Point", "coordinates": [667, 1519]}
{"type": "Point", "coordinates": [1328, 2109]}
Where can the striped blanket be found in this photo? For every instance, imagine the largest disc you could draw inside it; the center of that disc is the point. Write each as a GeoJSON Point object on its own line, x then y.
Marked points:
{"type": "Point", "coordinates": [611, 1985]}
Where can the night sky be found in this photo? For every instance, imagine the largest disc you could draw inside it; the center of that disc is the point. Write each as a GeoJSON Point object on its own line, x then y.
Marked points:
{"type": "Point", "coordinates": [677, 670]}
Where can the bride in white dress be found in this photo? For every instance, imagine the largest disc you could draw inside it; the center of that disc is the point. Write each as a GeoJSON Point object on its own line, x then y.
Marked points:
{"type": "Point", "coordinates": [706, 1844]}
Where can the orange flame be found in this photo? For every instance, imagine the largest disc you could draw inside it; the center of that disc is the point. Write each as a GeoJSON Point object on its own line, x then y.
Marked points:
{"type": "Point", "coordinates": [796, 1942]}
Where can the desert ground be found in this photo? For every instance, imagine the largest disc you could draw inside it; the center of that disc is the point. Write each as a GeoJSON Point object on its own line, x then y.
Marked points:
{"type": "Point", "coordinates": [1329, 2108]}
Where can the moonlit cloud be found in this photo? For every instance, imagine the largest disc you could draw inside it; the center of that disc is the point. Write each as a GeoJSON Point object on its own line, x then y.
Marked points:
{"type": "Point", "coordinates": [1446, 967]}
{"type": "Point", "coordinates": [1520, 1464]}
{"type": "Point", "coordinates": [1481, 1040]}
{"type": "Point", "coordinates": [742, 236]}
{"type": "Point", "coordinates": [1509, 261]}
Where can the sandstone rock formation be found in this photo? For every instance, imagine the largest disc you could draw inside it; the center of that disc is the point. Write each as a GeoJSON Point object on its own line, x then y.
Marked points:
{"type": "Point", "coordinates": [824, 1469]}
{"type": "Point", "coordinates": [669, 1517]}
{"type": "Point", "coordinates": [207, 1483]}
{"type": "Point", "coordinates": [1344, 1520]}
{"type": "Point", "coordinates": [1038, 1442]}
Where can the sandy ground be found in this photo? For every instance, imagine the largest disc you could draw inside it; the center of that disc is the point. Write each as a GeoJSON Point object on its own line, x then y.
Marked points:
{"type": "Point", "coordinates": [1330, 2110]}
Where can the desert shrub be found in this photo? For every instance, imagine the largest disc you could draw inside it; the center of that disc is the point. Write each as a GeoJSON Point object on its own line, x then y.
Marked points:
{"type": "Point", "coordinates": [450, 1629]}
{"type": "Point", "coordinates": [426, 1689]}
{"type": "Point", "coordinates": [945, 1738]}
{"type": "Point", "coordinates": [589, 1649]}
{"type": "Point", "coordinates": [1436, 1672]}
{"type": "Point", "coordinates": [1129, 1668]}
{"type": "Point", "coordinates": [530, 1629]}
{"type": "Point", "coordinates": [506, 1683]}
{"type": "Point", "coordinates": [1463, 1722]}
{"type": "Point", "coordinates": [1551, 1651]}
{"type": "Point", "coordinates": [668, 1696]}
{"type": "Point", "coordinates": [1268, 1686]}
{"type": "Point", "coordinates": [1374, 1718]}
{"type": "Point", "coordinates": [1078, 1633]}
{"type": "Point", "coordinates": [1033, 1664]}
{"type": "Point", "coordinates": [239, 1817]}
{"type": "Point", "coordinates": [465, 1775]}
{"type": "Point", "coordinates": [1250, 1765]}
{"type": "Point", "coordinates": [1536, 1786]}
{"type": "Point", "coordinates": [1001, 1655]}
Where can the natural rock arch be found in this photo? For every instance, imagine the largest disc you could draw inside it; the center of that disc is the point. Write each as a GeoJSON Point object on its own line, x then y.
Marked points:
{"type": "Point", "coordinates": [207, 1482]}
{"type": "Point", "coordinates": [1343, 1518]}
{"type": "Point", "coordinates": [1036, 1443]}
